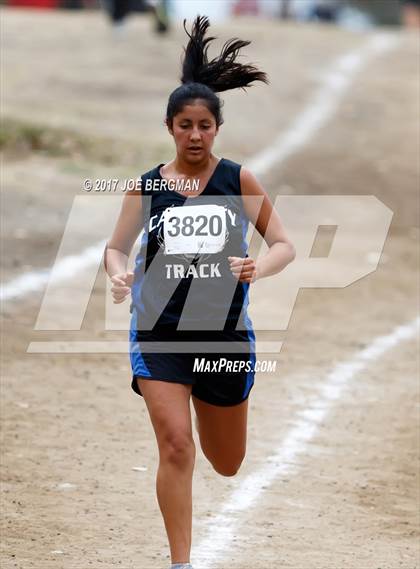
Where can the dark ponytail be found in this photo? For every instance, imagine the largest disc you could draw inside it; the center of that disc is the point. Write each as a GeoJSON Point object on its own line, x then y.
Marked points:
{"type": "Point", "coordinates": [202, 79]}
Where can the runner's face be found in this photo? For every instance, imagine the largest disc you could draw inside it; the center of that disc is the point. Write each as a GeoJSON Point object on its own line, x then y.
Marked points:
{"type": "Point", "coordinates": [194, 126]}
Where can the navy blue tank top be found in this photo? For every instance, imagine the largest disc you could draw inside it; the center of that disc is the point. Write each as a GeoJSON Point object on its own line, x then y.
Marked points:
{"type": "Point", "coordinates": [182, 276]}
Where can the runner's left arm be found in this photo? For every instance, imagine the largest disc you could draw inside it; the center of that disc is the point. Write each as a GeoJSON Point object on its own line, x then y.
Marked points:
{"type": "Point", "coordinates": [264, 217]}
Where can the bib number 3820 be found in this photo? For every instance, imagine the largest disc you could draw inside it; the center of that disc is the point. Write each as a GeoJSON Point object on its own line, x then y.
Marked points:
{"type": "Point", "coordinates": [194, 229]}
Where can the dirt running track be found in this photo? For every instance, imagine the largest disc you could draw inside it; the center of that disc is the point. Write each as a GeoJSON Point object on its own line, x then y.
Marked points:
{"type": "Point", "coordinates": [351, 500]}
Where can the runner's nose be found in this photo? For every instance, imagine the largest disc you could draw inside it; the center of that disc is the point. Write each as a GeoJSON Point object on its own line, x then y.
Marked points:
{"type": "Point", "coordinates": [195, 135]}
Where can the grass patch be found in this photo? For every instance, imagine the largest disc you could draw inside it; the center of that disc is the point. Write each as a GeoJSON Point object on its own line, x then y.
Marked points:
{"type": "Point", "coordinates": [19, 139]}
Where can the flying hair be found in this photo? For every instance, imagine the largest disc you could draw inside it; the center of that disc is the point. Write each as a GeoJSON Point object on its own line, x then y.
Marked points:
{"type": "Point", "coordinates": [221, 73]}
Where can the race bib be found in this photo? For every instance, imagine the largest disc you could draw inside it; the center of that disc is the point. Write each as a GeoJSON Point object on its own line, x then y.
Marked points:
{"type": "Point", "coordinates": [195, 229]}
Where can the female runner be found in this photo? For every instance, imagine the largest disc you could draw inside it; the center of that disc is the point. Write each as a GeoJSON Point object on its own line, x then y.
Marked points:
{"type": "Point", "coordinates": [190, 284]}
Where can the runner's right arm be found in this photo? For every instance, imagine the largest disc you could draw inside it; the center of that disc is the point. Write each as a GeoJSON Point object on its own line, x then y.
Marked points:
{"type": "Point", "coordinates": [118, 248]}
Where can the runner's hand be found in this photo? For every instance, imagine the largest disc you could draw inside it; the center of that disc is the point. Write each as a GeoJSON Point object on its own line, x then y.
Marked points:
{"type": "Point", "coordinates": [243, 268]}
{"type": "Point", "coordinates": [121, 286]}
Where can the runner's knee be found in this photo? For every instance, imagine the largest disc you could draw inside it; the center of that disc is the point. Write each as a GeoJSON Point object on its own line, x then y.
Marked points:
{"type": "Point", "coordinates": [177, 448]}
{"type": "Point", "coordinates": [229, 468]}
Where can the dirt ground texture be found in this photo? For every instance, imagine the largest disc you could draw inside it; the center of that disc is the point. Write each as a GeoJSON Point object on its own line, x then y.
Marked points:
{"type": "Point", "coordinates": [72, 428]}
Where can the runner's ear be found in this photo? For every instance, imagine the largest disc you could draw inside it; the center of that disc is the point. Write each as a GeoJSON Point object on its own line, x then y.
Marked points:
{"type": "Point", "coordinates": [168, 127]}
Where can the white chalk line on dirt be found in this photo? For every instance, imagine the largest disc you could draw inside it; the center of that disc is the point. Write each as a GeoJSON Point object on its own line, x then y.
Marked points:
{"type": "Point", "coordinates": [317, 112]}
{"type": "Point", "coordinates": [323, 104]}
{"type": "Point", "coordinates": [293, 446]}
{"type": "Point", "coordinates": [64, 269]}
